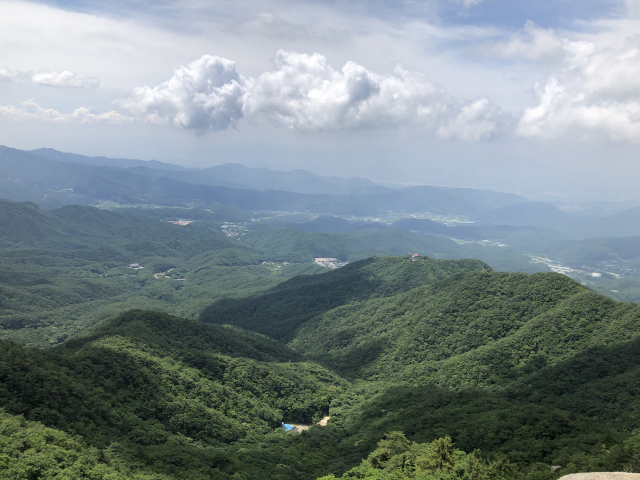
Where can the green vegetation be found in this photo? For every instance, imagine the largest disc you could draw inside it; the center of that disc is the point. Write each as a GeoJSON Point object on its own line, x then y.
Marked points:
{"type": "Point", "coordinates": [533, 367]}
{"type": "Point", "coordinates": [282, 311]}
{"type": "Point", "coordinates": [296, 246]}
{"type": "Point", "coordinates": [519, 371]}
{"type": "Point", "coordinates": [161, 386]}
{"type": "Point", "coordinates": [64, 270]}
{"type": "Point", "coordinates": [431, 323]}
{"type": "Point", "coordinates": [30, 450]}
{"type": "Point", "coordinates": [398, 458]}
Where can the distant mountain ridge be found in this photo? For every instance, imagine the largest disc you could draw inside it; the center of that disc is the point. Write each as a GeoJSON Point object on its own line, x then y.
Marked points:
{"type": "Point", "coordinates": [300, 181]}
{"type": "Point", "coordinates": [54, 183]}
{"type": "Point", "coordinates": [232, 175]}
{"type": "Point", "coordinates": [52, 154]}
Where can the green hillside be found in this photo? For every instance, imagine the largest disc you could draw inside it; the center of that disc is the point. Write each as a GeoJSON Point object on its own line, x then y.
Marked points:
{"type": "Point", "coordinates": [66, 269]}
{"type": "Point", "coordinates": [156, 383]}
{"type": "Point", "coordinates": [532, 370]}
{"type": "Point", "coordinates": [31, 450]}
{"type": "Point", "coordinates": [296, 246]}
{"type": "Point", "coordinates": [280, 312]}
{"type": "Point", "coordinates": [74, 227]}
{"type": "Point", "coordinates": [535, 367]}
{"type": "Point", "coordinates": [431, 323]}
{"type": "Point", "coordinates": [532, 366]}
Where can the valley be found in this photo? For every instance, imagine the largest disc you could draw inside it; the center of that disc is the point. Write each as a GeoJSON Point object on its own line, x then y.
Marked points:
{"type": "Point", "coordinates": [173, 340]}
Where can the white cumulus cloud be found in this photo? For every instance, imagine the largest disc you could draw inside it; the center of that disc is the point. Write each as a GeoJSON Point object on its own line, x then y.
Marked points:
{"type": "Point", "coordinates": [301, 92]}
{"type": "Point", "coordinates": [64, 79]}
{"type": "Point", "coordinates": [7, 75]}
{"type": "Point", "coordinates": [477, 120]}
{"type": "Point", "coordinates": [30, 110]}
{"type": "Point", "coordinates": [206, 94]}
{"type": "Point", "coordinates": [601, 98]}
{"type": "Point", "coordinates": [49, 78]}
{"type": "Point", "coordinates": [541, 44]}
{"type": "Point", "coordinates": [304, 92]}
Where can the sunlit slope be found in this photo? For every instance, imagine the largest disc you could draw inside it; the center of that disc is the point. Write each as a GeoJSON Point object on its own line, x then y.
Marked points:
{"type": "Point", "coordinates": [430, 323]}
{"type": "Point", "coordinates": [534, 366]}
{"type": "Point", "coordinates": [281, 311]}
{"type": "Point", "coordinates": [582, 324]}
{"type": "Point", "coordinates": [32, 450]}
{"type": "Point", "coordinates": [146, 377]}
{"type": "Point", "coordinates": [479, 329]}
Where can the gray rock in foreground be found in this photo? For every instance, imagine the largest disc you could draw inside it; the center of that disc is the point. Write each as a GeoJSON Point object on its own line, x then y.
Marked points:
{"type": "Point", "coordinates": [602, 476]}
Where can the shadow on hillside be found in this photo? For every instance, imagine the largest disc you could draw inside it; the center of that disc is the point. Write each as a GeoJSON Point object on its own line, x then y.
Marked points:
{"type": "Point", "coordinates": [526, 432]}
{"type": "Point", "coordinates": [601, 382]}
{"type": "Point", "coordinates": [548, 415]}
{"type": "Point", "coordinates": [281, 311]}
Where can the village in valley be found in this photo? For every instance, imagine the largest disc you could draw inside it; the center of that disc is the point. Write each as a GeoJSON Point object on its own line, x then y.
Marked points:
{"type": "Point", "coordinates": [330, 262]}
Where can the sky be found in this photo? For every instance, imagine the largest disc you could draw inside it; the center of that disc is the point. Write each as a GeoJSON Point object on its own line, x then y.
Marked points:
{"type": "Point", "coordinates": [537, 98]}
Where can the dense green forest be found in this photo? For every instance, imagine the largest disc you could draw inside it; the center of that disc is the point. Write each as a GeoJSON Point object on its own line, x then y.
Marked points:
{"type": "Point", "coordinates": [64, 270]}
{"type": "Point", "coordinates": [455, 365]}
{"type": "Point", "coordinates": [281, 312]}
{"type": "Point", "coordinates": [507, 365]}
{"type": "Point", "coordinates": [535, 367]}
{"type": "Point", "coordinates": [399, 458]}
{"type": "Point", "coordinates": [164, 387]}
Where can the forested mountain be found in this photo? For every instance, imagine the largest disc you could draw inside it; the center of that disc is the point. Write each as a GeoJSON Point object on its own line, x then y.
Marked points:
{"type": "Point", "coordinates": [50, 182]}
{"type": "Point", "coordinates": [602, 249]}
{"type": "Point", "coordinates": [24, 225]}
{"type": "Point", "coordinates": [535, 214]}
{"type": "Point", "coordinates": [228, 175]}
{"type": "Point", "coordinates": [300, 181]}
{"type": "Point", "coordinates": [53, 179]}
{"type": "Point", "coordinates": [66, 269]}
{"type": "Point", "coordinates": [430, 323]}
{"type": "Point", "coordinates": [293, 303]}
{"type": "Point", "coordinates": [166, 388]}
{"type": "Point", "coordinates": [452, 365]}
{"type": "Point", "coordinates": [533, 366]}
{"type": "Point", "coordinates": [533, 370]}
{"type": "Point", "coordinates": [296, 246]}
{"type": "Point", "coordinates": [507, 233]}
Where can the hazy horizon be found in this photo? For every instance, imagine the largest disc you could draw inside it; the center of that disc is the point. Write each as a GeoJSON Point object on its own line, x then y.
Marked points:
{"type": "Point", "coordinates": [538, 99]}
